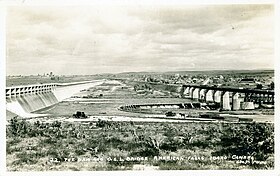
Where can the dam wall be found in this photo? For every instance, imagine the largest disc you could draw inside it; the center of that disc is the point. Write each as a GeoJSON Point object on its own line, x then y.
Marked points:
{"type": "Point", "coordinates": [24, 103]}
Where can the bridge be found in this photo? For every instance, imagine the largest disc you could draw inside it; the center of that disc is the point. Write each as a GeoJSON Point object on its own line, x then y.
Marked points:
{"type": "Point", "coordinates": [230, 98]}
{"type": "Point", "coordinates": [37, 88]}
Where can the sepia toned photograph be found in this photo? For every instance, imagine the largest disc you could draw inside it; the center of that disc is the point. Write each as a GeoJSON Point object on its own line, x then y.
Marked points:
{"type": "Point", "coordinates": [140, 87]}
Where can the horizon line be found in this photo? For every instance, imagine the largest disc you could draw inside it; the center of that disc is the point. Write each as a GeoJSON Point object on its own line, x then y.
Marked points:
{"type": "Point", "coordinates": [126, 72]}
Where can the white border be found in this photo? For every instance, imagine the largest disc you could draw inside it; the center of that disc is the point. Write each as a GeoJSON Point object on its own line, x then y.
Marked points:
{"type": "Point", "coordinates": [2, 85]}
{"type": "Point", "coordinates": [277, 86]}
{"type": "Point", "coordinates": [4, 4]}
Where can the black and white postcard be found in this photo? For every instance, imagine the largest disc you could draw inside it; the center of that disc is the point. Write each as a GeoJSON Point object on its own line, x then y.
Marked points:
{"type": "Point", "coordinates": [139, 87]}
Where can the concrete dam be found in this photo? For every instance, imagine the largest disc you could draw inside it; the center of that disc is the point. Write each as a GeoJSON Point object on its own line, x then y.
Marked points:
{"type": "Point", "coordinates": [23, 100]}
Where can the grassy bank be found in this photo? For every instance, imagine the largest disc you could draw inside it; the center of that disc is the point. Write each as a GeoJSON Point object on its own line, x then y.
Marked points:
{"type": "Point", "coordinates": [127, 146]}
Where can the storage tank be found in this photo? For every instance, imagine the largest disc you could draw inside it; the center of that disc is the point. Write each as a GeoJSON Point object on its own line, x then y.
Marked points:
{"type": "Point", "coordinates": [247, 105]}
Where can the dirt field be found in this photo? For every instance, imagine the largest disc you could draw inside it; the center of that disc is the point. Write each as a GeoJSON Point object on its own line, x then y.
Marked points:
{"type": "Point", "coordinates": [107, 98]}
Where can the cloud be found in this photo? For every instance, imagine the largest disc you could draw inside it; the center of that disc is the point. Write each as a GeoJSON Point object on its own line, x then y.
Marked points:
{"type": "Point", "coordinates": [89, 40]}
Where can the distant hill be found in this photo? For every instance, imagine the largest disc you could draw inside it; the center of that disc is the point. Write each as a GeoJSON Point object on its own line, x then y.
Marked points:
{"type": "Point", "coordinates": [207, 72]}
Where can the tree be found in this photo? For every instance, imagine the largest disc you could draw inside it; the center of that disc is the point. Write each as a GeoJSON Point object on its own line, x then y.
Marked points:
{"type": "Point", "coordinates": [272, 85]}
{"type": "Point", "coordinates": [259, 86]}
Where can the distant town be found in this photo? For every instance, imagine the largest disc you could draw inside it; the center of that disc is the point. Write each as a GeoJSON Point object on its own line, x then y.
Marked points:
{"type": "Point", "coordinates": [246, 79]}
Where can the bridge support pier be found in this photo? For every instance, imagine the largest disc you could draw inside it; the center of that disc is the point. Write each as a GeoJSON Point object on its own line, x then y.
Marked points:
{"type": "Point", "coordinates": [209, 96]}
{"type": "Point", "coordinates": [225, 103]}
{"type": "Point", "coordinates": [271, 99]}
{"type": "Point", "coordinates": [217, 96]}
{"type": "Point", "coordinates": [185, 92]}
{"type": "Point", "coordinates": [191, 92]}
{"type": "Point", "coordinates": [196, 94]}
{"type": "Point", "coordinates": [202, 95]}
{"type": "Point", "coordinates": [235, 101]}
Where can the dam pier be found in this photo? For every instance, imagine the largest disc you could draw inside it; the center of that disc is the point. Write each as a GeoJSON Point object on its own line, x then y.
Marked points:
{"type": "Point", "coordinates": [42, 88]}
{"type": "Point", "coordinates": [29, 89]}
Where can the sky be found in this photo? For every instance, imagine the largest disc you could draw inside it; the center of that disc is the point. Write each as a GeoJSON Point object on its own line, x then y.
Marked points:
{"type": "Point", "coordinates": [112, 39]}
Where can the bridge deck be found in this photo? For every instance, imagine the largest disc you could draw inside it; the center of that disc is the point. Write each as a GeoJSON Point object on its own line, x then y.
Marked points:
{"type": "Point", "coordinates": [233, 89]}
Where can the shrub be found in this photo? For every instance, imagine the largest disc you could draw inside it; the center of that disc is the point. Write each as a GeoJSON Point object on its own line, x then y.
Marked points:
{"type": "Point", "coordinates": [255, 139]}
{"type": "Point", "coordinates": [18, 127]}
{"type": "Point", "coordinates": [26, 158]}
{"type": "Point", "coordinates": [102, 123]}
